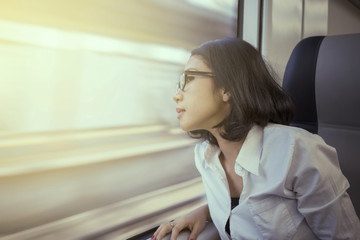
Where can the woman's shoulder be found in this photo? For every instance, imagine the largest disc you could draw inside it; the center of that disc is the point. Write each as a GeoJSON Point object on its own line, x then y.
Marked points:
{"type": "Point", "coordinates": [277, 131]}
{"type": "Point", "coordinates": [293, 138]}
{"type": "Point", "coordinates": [291, 149]}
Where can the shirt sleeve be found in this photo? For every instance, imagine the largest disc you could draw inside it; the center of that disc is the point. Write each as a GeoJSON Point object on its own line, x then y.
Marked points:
{"type": "Point", "coordinates": [320, 189]}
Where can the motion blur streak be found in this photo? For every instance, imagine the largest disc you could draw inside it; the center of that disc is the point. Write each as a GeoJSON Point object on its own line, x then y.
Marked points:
{"type": "Point", "coordinates": [87, 117]}
{"type": "Point", "coordinates": [78, 171]}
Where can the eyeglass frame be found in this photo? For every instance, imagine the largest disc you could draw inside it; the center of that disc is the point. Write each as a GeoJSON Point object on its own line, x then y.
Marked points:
{"type": "Point", "coordinates": [183, 77]}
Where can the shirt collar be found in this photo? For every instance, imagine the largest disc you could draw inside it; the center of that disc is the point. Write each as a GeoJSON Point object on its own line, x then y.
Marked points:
{"type": "Point", "coordinates": [211, 154]}
{"type": "Point", "coordinates": [250, 152]}
{"type": "Point", "coordinates": [249, 155]}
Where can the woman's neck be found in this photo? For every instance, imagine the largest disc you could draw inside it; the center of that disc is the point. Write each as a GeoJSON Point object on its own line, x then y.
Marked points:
{"type": "Point", "coordinates": [229, 149]}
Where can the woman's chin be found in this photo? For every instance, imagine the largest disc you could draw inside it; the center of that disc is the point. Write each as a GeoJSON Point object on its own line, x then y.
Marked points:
{"type": "Point", "coordinates": [185, 126]}
{"type": "Point", "coordinates": [188, 128]}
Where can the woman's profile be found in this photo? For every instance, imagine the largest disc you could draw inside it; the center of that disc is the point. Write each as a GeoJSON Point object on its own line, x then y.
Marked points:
{"type": "Point", "coordinates": [263, 178]}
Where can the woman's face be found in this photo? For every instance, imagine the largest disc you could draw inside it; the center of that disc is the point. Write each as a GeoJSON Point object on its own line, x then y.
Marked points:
{"type": "Point", "coordinates": [200, 105]}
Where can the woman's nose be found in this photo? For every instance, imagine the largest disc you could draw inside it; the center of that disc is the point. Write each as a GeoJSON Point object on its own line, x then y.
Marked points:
{"type": "Point", "coordinates": [178, 96]}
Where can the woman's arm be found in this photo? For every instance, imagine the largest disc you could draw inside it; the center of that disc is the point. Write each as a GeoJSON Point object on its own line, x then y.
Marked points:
{"type": "Point", "coordinates": [320, 188]}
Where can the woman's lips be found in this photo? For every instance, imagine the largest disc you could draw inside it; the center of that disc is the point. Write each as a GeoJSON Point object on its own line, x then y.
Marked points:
{"type": "Point", "coordinates": [180, 112]}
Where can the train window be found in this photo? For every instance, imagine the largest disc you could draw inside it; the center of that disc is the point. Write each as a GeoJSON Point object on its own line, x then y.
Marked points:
{"type": "Point", "coordinates": [87, 115]}
{"type": "Point", "coordinates": [83, 65]}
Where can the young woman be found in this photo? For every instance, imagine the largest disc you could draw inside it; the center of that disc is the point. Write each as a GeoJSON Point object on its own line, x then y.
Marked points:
{"type": "Point", "coordinates": [263, 179]}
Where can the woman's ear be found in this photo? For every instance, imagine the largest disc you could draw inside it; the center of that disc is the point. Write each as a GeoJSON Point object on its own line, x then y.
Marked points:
{"type": "Point", "coordinates": [225, 95]}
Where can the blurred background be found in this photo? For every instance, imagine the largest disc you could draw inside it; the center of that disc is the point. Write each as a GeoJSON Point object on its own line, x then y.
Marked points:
{"type": "Point", "coordinates": [87, 118]}
{"type": "Point", "coordinates": [94, 64]}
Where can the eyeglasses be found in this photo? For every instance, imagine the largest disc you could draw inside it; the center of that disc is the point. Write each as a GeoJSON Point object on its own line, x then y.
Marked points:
{"type": "Point", "coordinates": [188, 76]}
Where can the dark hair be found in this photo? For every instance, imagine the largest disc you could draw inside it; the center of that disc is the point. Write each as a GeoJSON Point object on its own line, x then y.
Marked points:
{"type": "Point", "coordinates": [256, 98]}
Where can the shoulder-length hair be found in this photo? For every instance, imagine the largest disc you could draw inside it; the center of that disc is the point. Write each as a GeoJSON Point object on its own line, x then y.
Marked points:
{"type": "Point", "coordinates": [255, 96]}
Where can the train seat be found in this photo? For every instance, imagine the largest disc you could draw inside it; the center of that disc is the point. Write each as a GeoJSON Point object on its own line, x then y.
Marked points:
{"type": "Point", "coordinates": [323, 78]}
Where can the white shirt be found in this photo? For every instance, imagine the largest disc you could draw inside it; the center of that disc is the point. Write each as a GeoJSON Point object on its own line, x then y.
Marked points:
{"type": "Point", "coordinates": [293, 188]}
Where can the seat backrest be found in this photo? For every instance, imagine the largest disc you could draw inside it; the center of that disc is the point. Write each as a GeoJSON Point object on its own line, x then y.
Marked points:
{"type": "Point", "coordinates": [323, 78]}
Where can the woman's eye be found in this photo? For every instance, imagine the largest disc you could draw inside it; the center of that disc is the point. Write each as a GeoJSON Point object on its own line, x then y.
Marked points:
{"type": "Point", "coordinates": [189, 78]}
